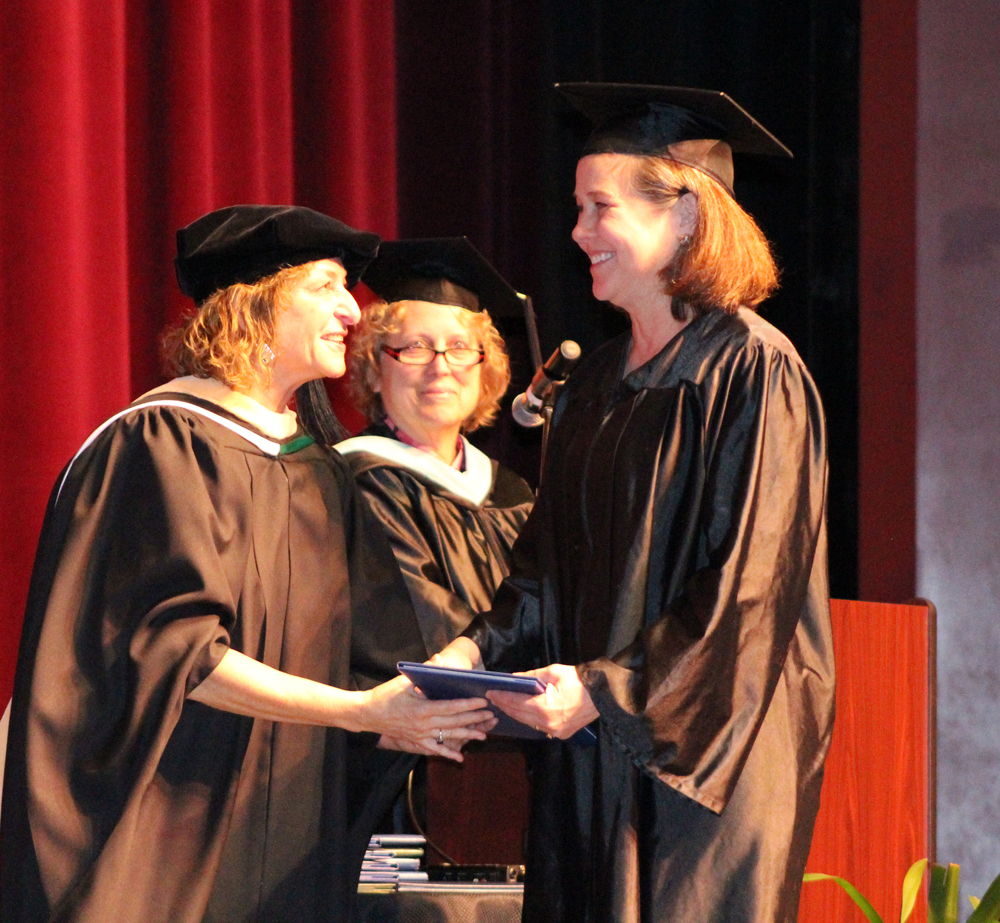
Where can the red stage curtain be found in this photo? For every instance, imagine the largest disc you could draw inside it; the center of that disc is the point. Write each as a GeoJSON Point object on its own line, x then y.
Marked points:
{"type": "Point", "coordinates": [123, 121]}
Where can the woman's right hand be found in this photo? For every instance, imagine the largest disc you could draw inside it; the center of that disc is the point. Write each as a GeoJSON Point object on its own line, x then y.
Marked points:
{"type": "Point", "coordinates": [407, 721]}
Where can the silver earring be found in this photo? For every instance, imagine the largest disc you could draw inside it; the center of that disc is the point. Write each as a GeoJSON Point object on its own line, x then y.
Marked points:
{"type": "Point", "coordinates": [268, 354]}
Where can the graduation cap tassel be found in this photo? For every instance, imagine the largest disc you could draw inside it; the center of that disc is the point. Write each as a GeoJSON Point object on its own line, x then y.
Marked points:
{"type": "Point", "coordinates": [316, 414]}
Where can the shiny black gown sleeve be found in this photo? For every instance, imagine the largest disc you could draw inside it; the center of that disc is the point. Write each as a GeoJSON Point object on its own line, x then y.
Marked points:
{"type": "Point", "coordinates": [453, 554]}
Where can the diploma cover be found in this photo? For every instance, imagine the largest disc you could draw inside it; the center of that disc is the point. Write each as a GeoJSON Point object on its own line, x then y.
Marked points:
{"type": "Point", "coordinates": [453, 683]}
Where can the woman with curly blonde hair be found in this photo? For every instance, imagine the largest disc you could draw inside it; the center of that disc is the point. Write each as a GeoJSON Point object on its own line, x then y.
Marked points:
{"type": "Point", "coordinates": [215, 620]}
{"type": "Point", "coordinates": [380, 320]}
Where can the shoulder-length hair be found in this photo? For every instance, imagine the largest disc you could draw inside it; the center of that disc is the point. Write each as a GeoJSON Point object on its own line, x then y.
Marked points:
{"type": "Point", "coordinates": [727, 262]}
{"type": "Point", "coordinates": [229, 335]}
{"type": "Point", "coordinates": [365, 356]}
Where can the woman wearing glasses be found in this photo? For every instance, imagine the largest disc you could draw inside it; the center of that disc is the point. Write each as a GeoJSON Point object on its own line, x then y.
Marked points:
{"type": "Point", "coordinates": [427, 365]}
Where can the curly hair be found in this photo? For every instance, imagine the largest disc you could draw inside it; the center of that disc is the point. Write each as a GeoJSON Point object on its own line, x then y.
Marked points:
{"type": "Point", "coordinates": [364, 358]}
{"type": "Point", "coordinates": [727, 262]}
{"type": "Point", "coordinates": [228, 336]}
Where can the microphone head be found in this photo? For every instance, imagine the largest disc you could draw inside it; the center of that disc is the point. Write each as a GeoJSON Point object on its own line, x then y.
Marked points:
{"type": "Point", "coordinates": [523, 414]}
{"type": "Point", "coordinates": [561, 362]}
{"type": "Point", "coordinates": [570, 350]}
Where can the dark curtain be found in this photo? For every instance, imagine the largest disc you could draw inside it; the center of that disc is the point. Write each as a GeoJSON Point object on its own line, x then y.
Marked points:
{"type": "Point", "coordinates": [471, 98]}
{"type": "Point", "coordinates": [122, 121]}
{"type": "Point", "coordinates": [486, 148]}
{"type": "Point", "coordinates": [795, 68]}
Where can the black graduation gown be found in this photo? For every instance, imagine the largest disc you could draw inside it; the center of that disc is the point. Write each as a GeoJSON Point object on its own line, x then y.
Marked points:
{"type": "Point", "coordinates": [677, 555]}
{"type": "Point", "coordinates": [172, 537]}
{"type": "Point", "coordinates": [452, 534]}
{"type": "Point", "coordinates": [453, 549]}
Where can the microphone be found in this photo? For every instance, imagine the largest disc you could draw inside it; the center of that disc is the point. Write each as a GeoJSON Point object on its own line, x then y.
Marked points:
{"type": "Point", "coordinates": [526, 406]}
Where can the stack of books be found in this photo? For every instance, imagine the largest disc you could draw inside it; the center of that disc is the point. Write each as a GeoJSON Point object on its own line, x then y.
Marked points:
{"type": "Point", "coordinates": [392, 858]}
{"type": "Point", "coordinates": [469, 879]}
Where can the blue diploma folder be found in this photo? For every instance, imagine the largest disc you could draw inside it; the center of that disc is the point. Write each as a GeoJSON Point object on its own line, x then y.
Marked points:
{"type": "Point", "coordinates": [452, 683]}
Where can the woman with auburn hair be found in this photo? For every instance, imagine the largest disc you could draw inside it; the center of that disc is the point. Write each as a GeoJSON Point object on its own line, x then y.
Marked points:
{"type": "Point", "coordinates": [670, 585]}
{"type": "Point", "coordinates": [208, 653]}
{"type": "Point", "coordinates": [726, 262]}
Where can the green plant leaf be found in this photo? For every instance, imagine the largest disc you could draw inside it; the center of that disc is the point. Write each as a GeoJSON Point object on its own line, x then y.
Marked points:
{"type": "Point", "coordinates": [951, 885]}
{"type": "Point", "coordinates": [911, 886]}
{"type": "Point", "coordinates": [852, 892]}
{"type": "Point", "coordinates": [937, 895]}
{"type": "Point", "coordinates": [987, 910]}
{"type": "Point", "coordinates": [975, 903]}
{"type": "Point", "coordinates": [942, 894]}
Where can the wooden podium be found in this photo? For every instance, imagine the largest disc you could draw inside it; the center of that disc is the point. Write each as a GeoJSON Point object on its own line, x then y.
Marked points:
{"type": "Point", "coordinates": [877, 812]}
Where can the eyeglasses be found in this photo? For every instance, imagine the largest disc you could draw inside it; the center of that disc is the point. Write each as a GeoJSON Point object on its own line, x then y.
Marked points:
{"type": "Point", "coordinates": [458, 357]}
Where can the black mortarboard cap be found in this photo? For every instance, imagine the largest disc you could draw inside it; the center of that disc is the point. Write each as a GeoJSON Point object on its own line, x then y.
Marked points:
{"type": "Point", "coordinates": [442, 270]}
{"type": "Point", "coordinates": [699, 128]}
{"type": "Point", "coordinates": [246, 243]}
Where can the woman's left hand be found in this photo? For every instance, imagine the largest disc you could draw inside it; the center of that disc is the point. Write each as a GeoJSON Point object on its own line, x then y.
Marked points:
{"type": "Point", "coordinates": [430, 747]}
{"type": "Point", "coordinates": [560, 711]}
{"type": "Point", "coordinates": [408, 721]}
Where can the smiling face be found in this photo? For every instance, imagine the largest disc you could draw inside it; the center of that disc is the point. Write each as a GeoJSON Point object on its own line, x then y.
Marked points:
{"type": "Point", "coordinates": [429, 403]}
{"type": "Point", "coordinates": [309, 330]}
{"type": "Point", "coordinates": [628, 238]}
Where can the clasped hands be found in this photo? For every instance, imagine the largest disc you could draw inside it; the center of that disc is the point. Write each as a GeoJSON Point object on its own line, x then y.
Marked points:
{"type": "Point", "coordinates": [415, 724]}
{"type": "Point", "coordinates": [560, 711]}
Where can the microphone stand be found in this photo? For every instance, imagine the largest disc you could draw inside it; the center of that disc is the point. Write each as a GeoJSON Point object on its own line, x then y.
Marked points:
{"type": "Point", "coordinates": [552, 390]}
{"type": "Point", "coordinates": [548, 405]}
